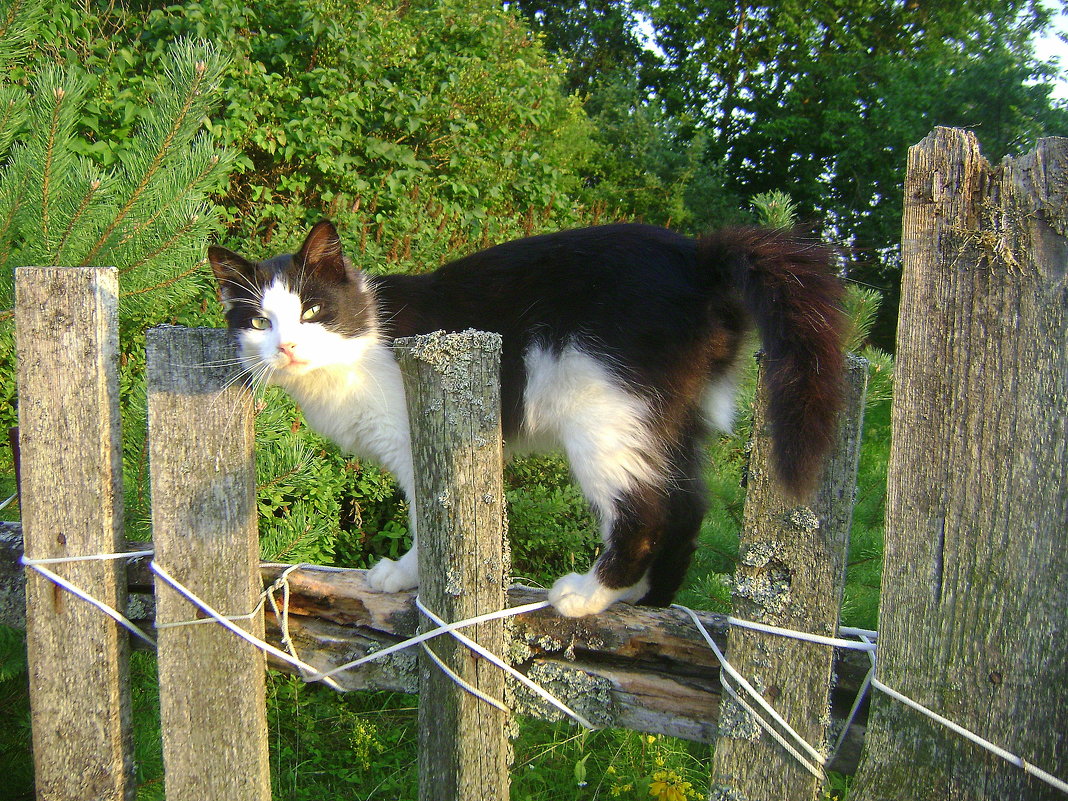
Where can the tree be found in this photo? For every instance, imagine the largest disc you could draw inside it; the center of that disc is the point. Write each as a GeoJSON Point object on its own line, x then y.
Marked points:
{"type": "Point", "coordinates": [148, 214]}
{"type": "Point", "coordinates": [599, 39]}
{"type": "Point", "coordinates": [820, 100]}
{"type": "Point", "coordinates": [825, 99]}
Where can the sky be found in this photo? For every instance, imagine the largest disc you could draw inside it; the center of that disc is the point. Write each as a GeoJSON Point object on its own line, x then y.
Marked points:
{"type": "Point", "coordinates": [1050, 46]}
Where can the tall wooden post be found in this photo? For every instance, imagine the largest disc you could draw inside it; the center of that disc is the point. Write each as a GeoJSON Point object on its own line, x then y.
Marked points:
{"type": "Point", "coordinates": [790, 574]}
{"type": "Point", "coordinates": [453, 392]}
{"type": "Point", "coordinates": [212, 685]}
{"type": "Point", "coordinates": [974, 597]}
{"type": "Point", "coordinates": [68, 348]}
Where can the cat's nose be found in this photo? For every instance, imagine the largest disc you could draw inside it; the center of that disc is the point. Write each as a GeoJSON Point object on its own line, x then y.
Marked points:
{"type": "Point", "coordinates": [288, 350]}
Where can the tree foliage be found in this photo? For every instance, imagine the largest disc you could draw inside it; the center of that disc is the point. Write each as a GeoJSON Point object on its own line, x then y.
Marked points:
{"type": "Point", "coordinates": [417, 125]}
{"type": "Point", "coordinates": [820, 100]}
{"type": "Point", "coordinates": [824, 97]}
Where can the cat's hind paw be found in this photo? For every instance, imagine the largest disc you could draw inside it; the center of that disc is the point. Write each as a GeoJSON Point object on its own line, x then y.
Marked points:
{"type": "Point", "coordinates": [393, 576]}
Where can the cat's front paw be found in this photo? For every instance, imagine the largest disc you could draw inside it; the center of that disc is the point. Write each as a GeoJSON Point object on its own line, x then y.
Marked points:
{"type": "Point", "coordinates": [580, 594]}
{"type": "Point", "coordinates": [394, 576]}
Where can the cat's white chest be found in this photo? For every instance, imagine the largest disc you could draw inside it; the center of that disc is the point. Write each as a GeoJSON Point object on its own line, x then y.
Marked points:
{"type": "Point", "coordinates": [361, 408]}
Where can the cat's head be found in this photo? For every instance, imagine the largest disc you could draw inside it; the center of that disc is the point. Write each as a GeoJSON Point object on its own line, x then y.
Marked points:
{"type": "Point", "coordinates": [297, 313]}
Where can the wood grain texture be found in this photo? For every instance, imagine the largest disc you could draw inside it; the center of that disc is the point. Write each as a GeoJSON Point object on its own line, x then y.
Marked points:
{"type": "Point", "coordinates": [453, 390]}
{"type": "Point", "coordinates": [791, 573]}
{"type": "Point", "coordinates": [974, 595]}
{"type": "Point", "coordinates": [212, 686]}
{"type": "Point", "coordinates": [71, 477]}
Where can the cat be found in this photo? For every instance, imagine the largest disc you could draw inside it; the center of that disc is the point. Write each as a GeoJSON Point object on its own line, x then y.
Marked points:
{"type": "Point", "coordinates": [620, 347]}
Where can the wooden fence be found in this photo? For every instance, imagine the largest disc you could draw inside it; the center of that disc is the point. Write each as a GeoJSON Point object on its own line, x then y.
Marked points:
{"type": "Point", "coordinates": [973, 600]}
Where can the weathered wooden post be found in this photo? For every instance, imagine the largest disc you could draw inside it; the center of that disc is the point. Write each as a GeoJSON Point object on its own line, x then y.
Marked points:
{"type": "Point", "coordinates": [67, 330]}
{"type": "Point", "coordinates": [203, 475]}
{"type": "Point", "coordinates": [790, 574]}
{"type": "Point", "coordinates": [974, 596]}
{"type": "Point", "coordinates": [453, 393]}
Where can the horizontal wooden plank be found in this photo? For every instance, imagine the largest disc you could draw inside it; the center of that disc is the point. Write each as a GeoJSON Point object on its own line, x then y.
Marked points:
{"type": "Point", "coordinates": [634, 667]}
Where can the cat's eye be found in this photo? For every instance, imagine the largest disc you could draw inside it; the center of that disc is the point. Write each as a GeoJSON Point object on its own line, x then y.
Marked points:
{"type": "Point", "coordinates": [261, 323]}
{"type": "Point", "coordinates": [311, 312]}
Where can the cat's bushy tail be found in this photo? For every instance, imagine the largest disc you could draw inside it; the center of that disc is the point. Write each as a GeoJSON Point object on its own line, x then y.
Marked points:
{"type": "Point", "coordinates": [787, 285]}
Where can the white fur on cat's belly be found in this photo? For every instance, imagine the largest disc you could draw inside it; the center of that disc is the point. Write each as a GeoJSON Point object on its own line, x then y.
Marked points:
{"type": "Point", "coordinates": [580, 594]}
{"type": "Point", "coordinates": [571, 401]}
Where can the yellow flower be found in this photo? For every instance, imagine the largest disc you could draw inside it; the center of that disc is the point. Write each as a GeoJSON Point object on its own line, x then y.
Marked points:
{"type": "Point", "coordinates": [667, 785]}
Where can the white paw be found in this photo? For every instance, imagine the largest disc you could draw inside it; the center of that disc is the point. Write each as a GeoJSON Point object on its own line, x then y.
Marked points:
{"type": "Point", "coordinates": [577, 595]}
{"type": "Point", "coordinates": [394, 576]}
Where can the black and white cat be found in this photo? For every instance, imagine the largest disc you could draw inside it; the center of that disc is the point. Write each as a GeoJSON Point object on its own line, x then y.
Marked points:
{"type": "Point", "coordinates": [620, 347]}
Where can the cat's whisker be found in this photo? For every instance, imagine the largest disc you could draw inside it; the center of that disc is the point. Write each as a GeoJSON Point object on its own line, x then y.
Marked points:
{"type": "Point", "coordinates": [229, 361]}
{"type": "Point", "coordinates": [241, 283]}
{"type": "Point", "coordinates": [253, 380]}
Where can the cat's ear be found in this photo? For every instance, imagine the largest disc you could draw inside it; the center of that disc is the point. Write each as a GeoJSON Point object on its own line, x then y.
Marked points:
{"type": "Point", "coordinates": [321, 254]}
{"type": "Point", "coordinates": [236, 275]}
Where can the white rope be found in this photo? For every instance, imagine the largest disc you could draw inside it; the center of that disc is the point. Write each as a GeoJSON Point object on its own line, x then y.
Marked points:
{"type": "Point", "coordinates": [866, 636]}
{"type": "Point", "coordinates": [1008, 756]}
{"type": "Point", "coordinates": [428, 635]}
{"type": "Point", "coordinates": [240, 632]}
{"type": "Point", "coordinates": [282, 616]}
{"type": "Point", "coordinates": [311, 674]}
{"type": "Point", "coordinates": [815, 770]}
{"type": "Point", "coordinates": [815, 755]}
{"type": "Point", "coordinates": [451, 628]}
{"type": "Point", "coordinates": [861, 693]}
{"type": "Point", "coordinates": [118, 617]}
{"type": "Point", "coordinates": [459, 680]}
{"type": "Point", "coordinates": [96, 557]}
{"type": "Point", "coordinates": [835, 642]}
{"type": "Point", "coordinates": [177, 624]}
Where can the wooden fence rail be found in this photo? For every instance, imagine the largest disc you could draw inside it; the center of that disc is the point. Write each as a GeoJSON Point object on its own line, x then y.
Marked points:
{"type": "Point", "coordinates": [640, 668]}
{"type": "Point", "coordinates": [974, 570]}
{"type": "Point", "coordinates": [652, 666]}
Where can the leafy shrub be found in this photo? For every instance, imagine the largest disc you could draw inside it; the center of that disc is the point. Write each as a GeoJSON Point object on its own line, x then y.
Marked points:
{"type": "Point", "coordinates": [421, 127]}
{"type": "Point", "coordinates": [551, 528]}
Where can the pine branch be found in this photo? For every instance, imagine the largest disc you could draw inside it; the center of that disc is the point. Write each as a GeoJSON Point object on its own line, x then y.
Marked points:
{"type": "Point", "coordinates": [177, 236]}
{"type": "Point", "coordinates": [51, 162]}
{"type": "Point", "coordinates": [19, 21]}
{"type": "Point", "coordinates": [204, 75]}
{"type": "Point", "coordinates": [13, 182]}
{"type": "Point", "coordinates": [210, 168]}
{"type": "Point", "coordinates": [83, 206]}
{"type": "Point", "coordinates": [47, 166]}
{"type": "Point", "coordinates": [169, 282]}
{"type": "Point", "coordinates": [12, 115]}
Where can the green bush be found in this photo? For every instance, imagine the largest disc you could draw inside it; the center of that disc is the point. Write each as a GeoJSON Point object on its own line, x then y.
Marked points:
{"type": "Point", "coordinates": [421, 128]}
